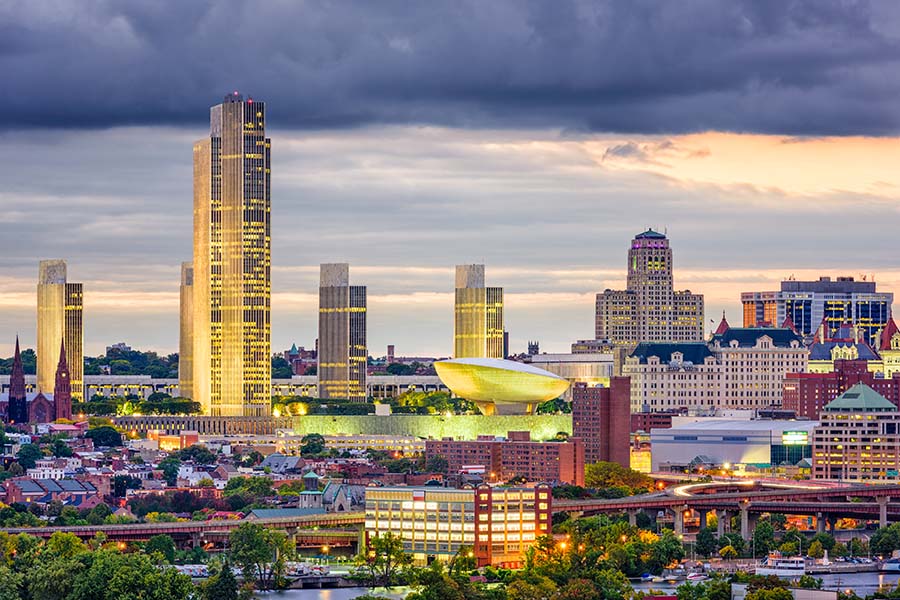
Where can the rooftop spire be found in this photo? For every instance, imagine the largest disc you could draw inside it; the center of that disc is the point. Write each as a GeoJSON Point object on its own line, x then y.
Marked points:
{"type": "Point", "coordinates": [723, 325]}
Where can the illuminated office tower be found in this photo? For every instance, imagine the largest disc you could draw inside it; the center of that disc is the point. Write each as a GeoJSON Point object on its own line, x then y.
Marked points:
{"type": "Point", "coordinates": [186, 332]}
{"type": "Point", "coordinates": [232, 262]}
{"type": "Point", "coordinates": [478, 315]}
{"type": "Point", "coordinates": [342, 334]}
{"type": "Point", "coordinates": [649, 309]}
{"type": "Point", "coordinates": [59, 320]}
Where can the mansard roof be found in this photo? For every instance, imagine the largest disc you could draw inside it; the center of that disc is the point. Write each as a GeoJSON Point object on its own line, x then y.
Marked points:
{"type": "Point", "coordinates": [693, 352]}
{"type": "Point", "coordinates": [747, 337]}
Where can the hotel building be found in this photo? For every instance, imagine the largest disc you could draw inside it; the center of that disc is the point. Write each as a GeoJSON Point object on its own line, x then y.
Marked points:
{"type": "Point", "coordinates": [858, 438]}
{"type": "Point", "coordinates": [740, 368]}
{"type": "Point", "coordinates": [478, 315]}
{"type": "Point", "coordinates": [499, 524]}
{"type": "Point", "coordinates": [809, 303]}
{"type": "Point", "coordinates": [59, 319]}
{"type": "Point", "coordinates": [649, 309]}
{"type": "Point", "coordinates": [342, 335]}
{"type": "Point", "coordinates": [232, 262]}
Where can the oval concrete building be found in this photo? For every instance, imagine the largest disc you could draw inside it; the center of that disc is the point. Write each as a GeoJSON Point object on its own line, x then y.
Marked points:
{"type": "Point", "coordinates": [500, 386]}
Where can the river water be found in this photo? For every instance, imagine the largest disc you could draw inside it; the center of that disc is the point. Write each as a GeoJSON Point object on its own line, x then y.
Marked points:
{"type": "Point", "coordinates": [863, 584]}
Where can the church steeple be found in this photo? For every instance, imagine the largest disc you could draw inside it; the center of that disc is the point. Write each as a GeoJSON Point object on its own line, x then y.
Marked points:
{"type": "Point", "coordinates": [62, 390]}
{"type": "Point", "coordinates": [18, 406]}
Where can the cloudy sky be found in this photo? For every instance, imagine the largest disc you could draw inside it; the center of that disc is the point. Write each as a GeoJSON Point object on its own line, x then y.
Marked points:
{"type": "Point", "coordinates": [537, 137]}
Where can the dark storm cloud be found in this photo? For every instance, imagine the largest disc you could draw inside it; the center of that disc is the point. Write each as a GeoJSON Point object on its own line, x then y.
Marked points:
{"type": "Point", "coordinates": [780, 66]}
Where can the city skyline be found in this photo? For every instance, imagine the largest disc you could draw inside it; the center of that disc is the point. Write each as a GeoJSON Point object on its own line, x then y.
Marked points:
{"type": "Point", "coordinates": [542, 175]}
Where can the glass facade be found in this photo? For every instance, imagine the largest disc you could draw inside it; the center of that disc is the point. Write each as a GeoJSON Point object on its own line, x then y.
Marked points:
{"type": "Point", "coordinates": [60, 319]}
{"type": "Point", "coordinates": [342, 335]}
{"type": "Point", "coordinates": [232, 262]}
{"type": "Point", "coordinates": [186, 332]}
{"type": "Point", "coordinates": [478, 315]}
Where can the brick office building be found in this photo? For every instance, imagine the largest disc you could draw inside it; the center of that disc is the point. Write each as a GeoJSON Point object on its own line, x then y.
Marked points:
{"type": "Point", "coordinates": [514, 456]}
{"type": "Point", "coordinates": [601, 419]}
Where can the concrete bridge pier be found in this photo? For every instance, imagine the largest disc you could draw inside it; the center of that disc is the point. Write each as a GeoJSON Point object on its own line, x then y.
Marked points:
{"type": "Point", "coordinates": [196, 542]}
{"type": "Point", "coordinates": [679, 519]}
{"type": "Point", "coordinates": [748, 522]}
{"type": "Point", "coordinates": [882, 510]}
{"type": "Point", "coordinates": [722, 517]}
{"type": "Point", "coordinates": [820, 522]}
{"type": "Point", "coordinates": [292, 535]}
{"type": "Point", "coordinates": [703, 517]}
{"type": "Point", "coordinates": [632, 516]}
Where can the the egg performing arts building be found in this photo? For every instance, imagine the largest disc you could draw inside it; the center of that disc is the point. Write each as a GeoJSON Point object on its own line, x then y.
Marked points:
{"type": "Point", "coordinates": [501, 387]}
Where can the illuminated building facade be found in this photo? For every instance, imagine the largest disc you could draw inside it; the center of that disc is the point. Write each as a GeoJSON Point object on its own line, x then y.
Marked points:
{"type": "Point", "coordinates": [342, 335]}
{"type": "Point", "coordinates": [186, 332]}
{"type": "Point", "coordinates": [809, 303]}
{"type": "Point", "coordinates": [478, 315]}
{"type": "Point", "coordinates": [232, 262]}
{"type": "Point", "coordinates": [649, 309]}
{"type": "Point", "coordinates": [740, 368]}
{"type": "Point", "coordinates": [59, 319]}
{"type": "Point", "coordinates": [500, 524]}
{"type": "Point", "coordinates": [500, 386]}
{"type": "Point", "coordinates": [858, 438]}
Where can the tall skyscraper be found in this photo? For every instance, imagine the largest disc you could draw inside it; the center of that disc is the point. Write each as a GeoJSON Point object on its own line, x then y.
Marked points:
{"type": "Point", "coordinates": [59, 320]}
{"type": "Point", "coordinates": [342, 334]}
{"type": "Point", "coordinates": [810, 304]}
{"type": "Point", "coordinates": [478, 315]}
{"type": "Point", "coordinates": [232, 262]}
{"type": "Point", "coordinates": [186, 332]}
{"type": "Point", "coordinates": [649, 310]}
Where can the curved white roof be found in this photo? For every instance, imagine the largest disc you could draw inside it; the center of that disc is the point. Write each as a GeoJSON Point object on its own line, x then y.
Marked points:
{"type": "Point", "coordinates": [499, 363]}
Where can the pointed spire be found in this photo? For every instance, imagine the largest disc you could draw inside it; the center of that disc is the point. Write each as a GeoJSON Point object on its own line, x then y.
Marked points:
{"type": "Point", "coordinates": [17, 408]}
{"type": "Point", "coordinates": [723, 325]}
{"type": "Point", "coordinates": [62, 390]}
{"type": "Point", "coordinates": [62, 355]}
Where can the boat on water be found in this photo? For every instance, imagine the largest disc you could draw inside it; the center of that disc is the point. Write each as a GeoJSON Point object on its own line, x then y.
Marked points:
{"type": "Point", "coordinates": [891, 565]}
{"type": "Point", "coordinates": [697, 577]}
{"type": "Point", "coordinates": [647, 577]}
{"type": "Point", "coordinates": [781, 566]}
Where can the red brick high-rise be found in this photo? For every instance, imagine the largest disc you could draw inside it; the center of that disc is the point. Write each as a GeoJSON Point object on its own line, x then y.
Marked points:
{"type": "Point", "coordinates": [601, 418]}
{"type": "Point", "coordinates": [62, 390]}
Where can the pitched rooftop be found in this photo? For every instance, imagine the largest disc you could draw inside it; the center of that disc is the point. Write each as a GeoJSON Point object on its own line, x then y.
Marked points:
{"type": "Point", "coordinates": [860, 398]}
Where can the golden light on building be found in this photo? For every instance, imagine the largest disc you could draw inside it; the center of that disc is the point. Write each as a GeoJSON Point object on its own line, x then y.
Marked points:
{"type": "Point", "coordinates": [59, 318]}
{"type": "Point", "coordinates": [500, 386]}
{"type": "Point", "coordinates": [342, 334]}
{"type": "Point", "coordinates": [478, 315]}
{"type": "Point", "coordinates": [232, 262]}
{"type": "Point", "coordinates": [186, 333]}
